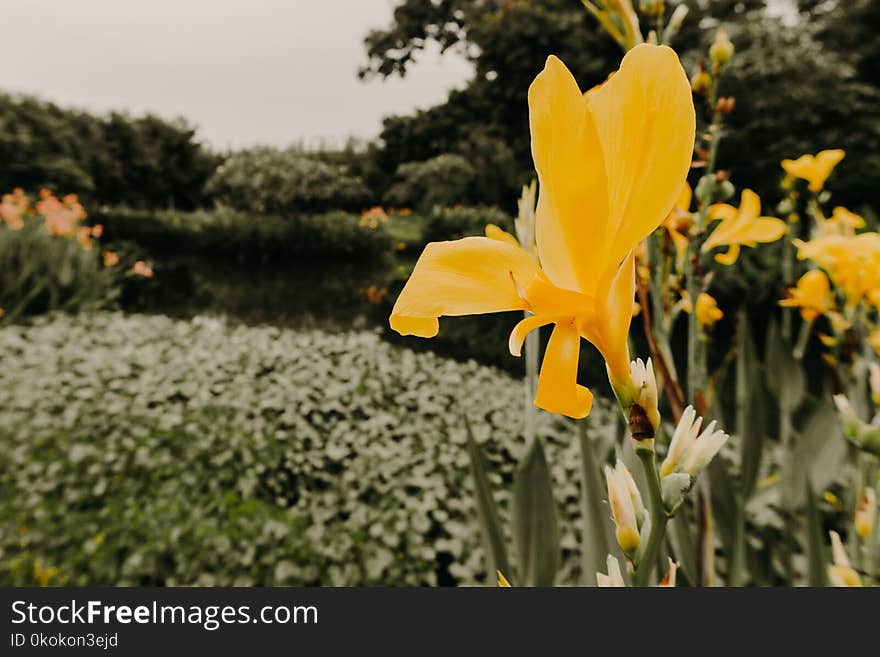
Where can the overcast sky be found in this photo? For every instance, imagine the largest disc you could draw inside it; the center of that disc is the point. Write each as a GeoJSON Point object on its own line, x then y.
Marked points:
{"type": "Point", "coordinates": [244, 71]}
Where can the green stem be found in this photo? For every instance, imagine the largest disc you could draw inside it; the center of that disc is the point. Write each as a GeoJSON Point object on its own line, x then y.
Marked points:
{"type": "Point", "coordinates": [648, 558]}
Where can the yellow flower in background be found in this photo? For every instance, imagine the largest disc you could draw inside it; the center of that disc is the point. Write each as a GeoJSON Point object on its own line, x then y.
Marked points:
{"type": "Point", "coordinates": [812, 295]}
{"type": "Point", "coordinates": [851, 261]}
{"type": "Point", "coordinates": [610, 164]}
{"type": "Point", "coordinates": [678, 223]}
{"type": "Point", "coordinates": [741, 227]}
{"type": "Point", "coordinates": [842, 222]}
{"type": "Point", "coordinates": [840, 573]}
{"type": "Point", "coordinates": [111, 259]}
{"type": "Point", "coordinates": [815, 169]}
{"type": "Point", "coordinates": [44, 575]}
{"type": "Point", "coordinates": [708, 312]}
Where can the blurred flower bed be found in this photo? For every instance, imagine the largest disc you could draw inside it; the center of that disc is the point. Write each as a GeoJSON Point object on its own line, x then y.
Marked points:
{"type": "Point", "coordinates": [143, 450]}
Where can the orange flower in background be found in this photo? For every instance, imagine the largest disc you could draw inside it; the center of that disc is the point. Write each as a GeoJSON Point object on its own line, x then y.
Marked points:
{"type": "Point", "coordinates": [815, 169]}
{"type": "Point", "coordinates": [111, 259]}
{"type": "Point", "coordinates": [610, 165]}
{"type": "Point", "coordinates": [741, 227]}
{"type": "Point", "coordinates": [97, 231]}
{"type": "Point", "coordinates": [375, 294]}
{"type": "Point", "coordinates": [12, 207]}
{"type": "Point", "coordinates": [812, 295]}
{"type": "Point", "coordinates": [141, 268]}
{"type": "Point", "coordinates": [62, 217]}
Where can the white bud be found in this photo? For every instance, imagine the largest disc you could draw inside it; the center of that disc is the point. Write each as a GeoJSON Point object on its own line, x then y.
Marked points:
{"type": "Point", "coordinates": [614, 578]}
{"type": "Point", "coordinates": [627, 508]}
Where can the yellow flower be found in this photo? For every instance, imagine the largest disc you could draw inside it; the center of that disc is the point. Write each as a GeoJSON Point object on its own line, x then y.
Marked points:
{"type": "Point", "coordinates": [502, 580]}
{"type": "Point", "coordinates": [111, 259]}
{"type": "Point", "coordinates": [812, 295]}
{"type": "Point", "coordinates": [842, 222]}
{"type": "Point", "coordinates": [708, 312]}
{"type": "Point", "coordinates": [678, 223]}
{"type": "Point", "coordinates": [840, 573]}
{"type": "Point", "coordinates": [741, 227]}
{"type": "Point", "coordinates": [44, 575]}
{"type": "Point", "coordinates": [815, 169]}
{"type": "Point", "coordinates": [852, 262]}
{"type": "Point", "coordinates": [610, 164]}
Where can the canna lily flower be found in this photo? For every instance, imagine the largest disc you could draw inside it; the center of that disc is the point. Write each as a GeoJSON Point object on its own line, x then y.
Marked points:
{"type": "Point", "coordinates": [627, 508]}
{"type": "Point", "coordinates": [815, 169]}
{"type": "Point", "coordinates": [614, 578]}
{"type": "Point", "coordinates": [741, 227]}
{"type": "Point", "coordinates": [812, 295]}
{"type": "Point", "coordinates": [708, 312]}
{"type": "Point", "coordinates": [840, 573]}
{"type": "Point", "coordinates": [610, 164]}
{"type": "Point", "coordinates": [678, 223]}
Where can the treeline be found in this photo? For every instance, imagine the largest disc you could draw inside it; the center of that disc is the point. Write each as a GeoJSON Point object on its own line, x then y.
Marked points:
{"type": "Point", "coordinates": [115, 159]}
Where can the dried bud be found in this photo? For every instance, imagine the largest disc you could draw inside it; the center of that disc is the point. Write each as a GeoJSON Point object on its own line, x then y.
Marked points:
{"type": "Point", "coordinates": [725, 105]}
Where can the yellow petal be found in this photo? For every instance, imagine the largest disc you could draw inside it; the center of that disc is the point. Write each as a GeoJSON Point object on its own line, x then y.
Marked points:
{"type": "Point", "coordinates": [493, 232]}
{"type": "Point", "coordinates": [614, 319]}
{"type": "Point", "coordinates": [471, 276]}
{"type": "Point", "coordinates": [646, 122]}
{"type": "Point", "coordinates": [767, 229]}
{"type": "Point", "coordinates": [572, 212]}
{"type": "Point", "coordinates": [730, 257]}
{"type": "Point", "coordinates": [558, 390]}
{"type": "Point", "coordinates": [523, 328]}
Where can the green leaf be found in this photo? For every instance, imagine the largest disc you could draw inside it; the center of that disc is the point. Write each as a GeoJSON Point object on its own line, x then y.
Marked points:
{"type": "Point", "coordinates": [816, 561]}
{"type": "Point", "coordinates": [752, 418]}
{"type": "Point", "coordinates": [535, 527]}
{"type": "Point", "coordinates": [490, 522]}
{"type": "Point", "coordinates": [818, 453]}
{"type": "Point", "coordinates": [784, 374]}
{"type": "Point", "coordinates": [597, 541]}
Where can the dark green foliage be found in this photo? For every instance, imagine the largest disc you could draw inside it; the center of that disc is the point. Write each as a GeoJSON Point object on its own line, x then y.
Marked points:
{"type": "Point", "coordinates": [457, 222]}
{"type": "Point", "coordinates": [226, 233]}
{"type": "Point", "coordinates": [442, 180]}
{"type": "Point", "coordinates": [115, 159]}
{"type": "Point", "coordinates": [267, 180]}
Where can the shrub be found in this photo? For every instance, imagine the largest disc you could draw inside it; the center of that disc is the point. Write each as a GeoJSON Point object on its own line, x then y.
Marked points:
{"type": "Point", "coordinates": [224, 232]}
{"type": "Point", "coordinates": [455, 223]}
{"type": "Point", "coordinates": [442, 180]}
{"type": "Point", "coordinates": [49, 261]}
{"type": "Point", "coordinates": [267, 180]}
{"type": "Point", "coordinates": [204, 453]}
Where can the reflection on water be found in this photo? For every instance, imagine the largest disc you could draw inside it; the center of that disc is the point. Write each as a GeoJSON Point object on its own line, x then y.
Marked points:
{"type": "Point", "coordinates": [334, 296]}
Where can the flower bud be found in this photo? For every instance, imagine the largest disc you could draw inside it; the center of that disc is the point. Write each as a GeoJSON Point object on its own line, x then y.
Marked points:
{"type": "Point", "coordinates": [722, 49]}
{"type": "Point", "coordinates": [866, 512]}
{"type": "Point", "coordinates": [652, 8]}
{"type": "Point", "coordinates": [688, 452]}
{"type": "Point", "coordinates": [627, 509]}
{"type": "Point", "coordinates": [645, 391]}
{"type": "Point", "coordinates": [840, 573]}
{"type": "Point", "coordinates": [863, 435]}
{"type": "Point", "coordinates": [614, 578]}
{"type": "Point", "coordinates": [701, 82]}
{"type": "Point", "coordinates": [676, 21]}
{"type": "Point", "coordinates": [725, 105]}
